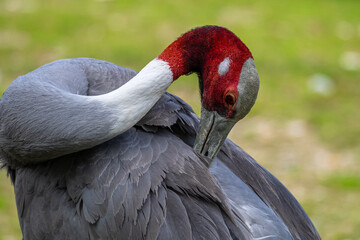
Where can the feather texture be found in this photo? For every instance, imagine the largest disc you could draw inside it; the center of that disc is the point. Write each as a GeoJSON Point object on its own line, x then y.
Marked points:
{"type": "Point", "coordinates": [146, 183]}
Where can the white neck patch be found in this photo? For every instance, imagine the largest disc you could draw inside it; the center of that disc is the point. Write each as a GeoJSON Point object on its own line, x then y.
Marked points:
{"type": "Point", "coordinates": [224, 67]}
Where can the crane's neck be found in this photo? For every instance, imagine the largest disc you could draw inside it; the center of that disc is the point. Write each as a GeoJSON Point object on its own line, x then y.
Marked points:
{"type": "Point", "coordinates": [97, 119]}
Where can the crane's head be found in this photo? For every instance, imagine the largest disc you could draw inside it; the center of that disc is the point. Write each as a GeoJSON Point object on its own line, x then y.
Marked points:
{"type": "Point", "coordinates": [223, 106]}
{"type": "Point", "coordinates": [229, 82]}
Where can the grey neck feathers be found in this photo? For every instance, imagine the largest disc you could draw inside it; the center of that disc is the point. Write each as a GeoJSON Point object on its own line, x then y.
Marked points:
{"type": "Point", "coordinates": [47, 113]}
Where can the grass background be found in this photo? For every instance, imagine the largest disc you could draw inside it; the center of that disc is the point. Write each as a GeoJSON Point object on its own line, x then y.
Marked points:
{"type": "Point", "coordinates": [304, 127]}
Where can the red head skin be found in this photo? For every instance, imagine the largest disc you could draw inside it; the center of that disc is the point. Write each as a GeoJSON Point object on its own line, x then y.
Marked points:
{"type": "Point", "coordinates": [202, 50]}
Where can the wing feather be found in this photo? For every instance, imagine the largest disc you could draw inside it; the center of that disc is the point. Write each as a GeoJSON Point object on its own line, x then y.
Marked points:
{"type": "Point", "coordinates": [269, 190]}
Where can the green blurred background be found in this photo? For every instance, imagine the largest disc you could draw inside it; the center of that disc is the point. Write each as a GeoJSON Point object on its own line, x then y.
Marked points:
{"type": "Point", "coordinates": [305, 125]}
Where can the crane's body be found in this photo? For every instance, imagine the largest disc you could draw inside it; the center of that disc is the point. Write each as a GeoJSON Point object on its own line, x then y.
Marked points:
{"type": "Point", "coordinates": [98, 151]}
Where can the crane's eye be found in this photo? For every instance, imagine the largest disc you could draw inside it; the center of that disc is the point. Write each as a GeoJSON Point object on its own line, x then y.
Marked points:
{"type": "Point", "coordinates": [230, 99]}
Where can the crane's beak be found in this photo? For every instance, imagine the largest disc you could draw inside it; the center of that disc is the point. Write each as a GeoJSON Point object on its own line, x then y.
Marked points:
{"type": "Point", "coordinates": [212, 133]}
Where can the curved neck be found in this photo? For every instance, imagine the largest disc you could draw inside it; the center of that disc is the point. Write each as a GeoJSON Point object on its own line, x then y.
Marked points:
{"type": "Point", "coordinates": [96, 119]}
{"type": "Point", "coordinates": [49, 121]}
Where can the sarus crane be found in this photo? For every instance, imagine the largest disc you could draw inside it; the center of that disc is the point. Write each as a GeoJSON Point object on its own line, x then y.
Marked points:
{"type": "Point", "coordinates": [99, 151]}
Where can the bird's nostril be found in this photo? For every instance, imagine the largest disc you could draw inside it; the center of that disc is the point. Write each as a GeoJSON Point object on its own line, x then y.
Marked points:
{"type": "Point", "coordinates": [206, 153]}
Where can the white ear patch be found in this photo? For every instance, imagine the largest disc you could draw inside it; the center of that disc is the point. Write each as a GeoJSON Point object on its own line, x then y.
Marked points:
{"type": "Point", "coordinates": [224, 67]}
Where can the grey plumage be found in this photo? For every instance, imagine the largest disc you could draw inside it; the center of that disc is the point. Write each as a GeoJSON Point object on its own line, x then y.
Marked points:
{"type": "Point", "coordinates": [146, 183]}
